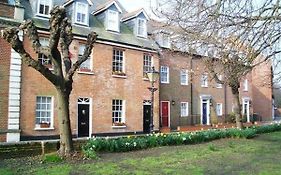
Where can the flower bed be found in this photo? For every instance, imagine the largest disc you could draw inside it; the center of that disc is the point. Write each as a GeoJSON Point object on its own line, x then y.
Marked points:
{"type": "Point", "coordinates": [130, 143]}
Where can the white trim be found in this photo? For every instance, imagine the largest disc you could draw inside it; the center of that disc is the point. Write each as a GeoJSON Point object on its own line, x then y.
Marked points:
{"type": "Point", "coordinates": [205, 85]}
{"type": "Point", "coordinates": [14, 95]}
{"type": "Point", "coordinates": [245, 85]}
{"type": "Point", "coordinates": [112, 28]}
{"type": "Point", "coordinates": [169, 113]}
{"type": "Point", "coordinates": [207, 99]}
{"type": "Point", "coordinates": [219, 113]}
{"type": "Point", "coordinates": [168, 75]}
{"type": "Point", "coordinates": [107, 6]}
{"type": "Point", "coordinates": [69, 2]}
{"type": "Point", "coordinates": [36, 127]}
{"type": "Point", "coordinates": [187, 109]}
{"type": "Point", "coordinates": [144, 27]}
{"type": "Point", "coordinates": [187, 77]}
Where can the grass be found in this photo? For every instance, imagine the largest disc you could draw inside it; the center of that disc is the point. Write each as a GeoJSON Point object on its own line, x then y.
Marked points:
{"type": "Point", "coordinates": [259, 156]}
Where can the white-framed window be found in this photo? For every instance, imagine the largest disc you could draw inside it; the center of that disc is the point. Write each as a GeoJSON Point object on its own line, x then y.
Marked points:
{"type": "Point", "coordinates": [164, 74]}
{"type": "Point", "coordinates": [86, 65]}
{"type": "Point", "coordinates": [219, 109]}
{"type": "Point", "coordinates": [118, 62]}
{"type": "Point", "coordinates": [204, 80]}
{"type": "Point", "coordinates": [184, 77]}
{"type": "Point", "coordinates": [81, 16]}
{"type": "Point", "coordinates": [147, 64]}
{"type": "Point", "coordinates": [44, 7]}
{"type": "Point", "coordinates": [118, 111]}
{"type": "Point", "coordinates": [141, 27]}
{"type": "Point", "coordinates": [113, 20]}
{"type": "Point", "coordinates": [245, 85]}
{"type": "Point", "coordinates": [184, 109]}
{"type": "Point", "coordinates": [219, 85]}
{"type": "Point", "coordinates": [44, 112]}
{"type": "Point", "coordinates": [42, 57]}
{"type": "Point", "coordinates": [163, 40]}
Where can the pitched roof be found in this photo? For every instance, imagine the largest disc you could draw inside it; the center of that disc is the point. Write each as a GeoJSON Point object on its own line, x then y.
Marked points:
{"type": "Point", "coordinates": [106, 5]}
{"type": "Point", "coordinates": [134, 14]}
{"type": "Point", "coordinates": [70, 1]}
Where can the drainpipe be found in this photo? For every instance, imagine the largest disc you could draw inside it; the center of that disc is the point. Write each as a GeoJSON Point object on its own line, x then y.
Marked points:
{"type": "Point", "coordinates": [191, 92]}
{"type": "Point", "coordinates": [225, 102]}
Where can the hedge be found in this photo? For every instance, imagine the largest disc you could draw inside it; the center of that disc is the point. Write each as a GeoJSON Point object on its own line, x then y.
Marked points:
{"type": "Point", "coordinates": [130, 143]}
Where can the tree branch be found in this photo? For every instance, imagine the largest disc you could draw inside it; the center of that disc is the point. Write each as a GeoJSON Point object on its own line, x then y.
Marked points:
{"type": "Point", "coordinates": [90, 41]}
{"type": "Point", "coordinates": [11, 36]}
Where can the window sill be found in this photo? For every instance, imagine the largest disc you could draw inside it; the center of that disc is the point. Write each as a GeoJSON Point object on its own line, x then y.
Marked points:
{"type": "Point", "coordinates": [184, 116]}
{"type": "Point", "coordinates": [204, 86]}
{"type": "Point", "coordinates": [44, 129]}
{"type": "Point", "coordinates": [86, 72]}
{"type": "Point", "coordinates": [120, 76]}
{"type": "Point", "coordinates": [184, 84]}
{"type": "Point", "coordinates": [145, 79]}
{"type": "Point", "coordinates": [219, 87]}
{"type": "Point", "coordinates": [42, 16]}
{"type": "Point", "coordinates": [118, 127]}
{"type": "Point", "coordinates": [81, 24]}
{"type": "Point", "coordinates": [164, 82]}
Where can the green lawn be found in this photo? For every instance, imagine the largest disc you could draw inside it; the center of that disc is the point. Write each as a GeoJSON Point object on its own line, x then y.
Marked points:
{"type": "Point", "coordinates": [261, 155]}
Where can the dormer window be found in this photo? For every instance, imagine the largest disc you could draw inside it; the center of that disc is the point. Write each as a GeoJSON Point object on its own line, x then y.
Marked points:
{"type": "Point", "coordinates": [163, 40]}
{"type": "Point", "coordinates": [81, 16]}
{"type": "Point", "coordinates": [112, 20]}
{"type": "Point", "coordinates": [44, 7]}
{"type": "Point", "coordinates": [141, 27]}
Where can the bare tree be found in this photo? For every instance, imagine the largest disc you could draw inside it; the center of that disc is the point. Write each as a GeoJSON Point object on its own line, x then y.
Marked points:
{"type": "Point", "coordinates": [58, 52]}
{"type": "Point", "coordinates": [234, 35]}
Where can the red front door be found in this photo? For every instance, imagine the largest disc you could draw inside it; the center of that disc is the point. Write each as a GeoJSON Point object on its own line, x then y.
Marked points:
{"type": "Point", "coordinates": [165, 114]}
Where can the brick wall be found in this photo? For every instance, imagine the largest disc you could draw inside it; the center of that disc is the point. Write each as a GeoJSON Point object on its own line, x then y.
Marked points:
{"type": "Point", "coordinates": [5, 56]}
{"type": "Point", "coordinates": [6, 10]}
{"type": "Point", "coordinates": [101, 87]}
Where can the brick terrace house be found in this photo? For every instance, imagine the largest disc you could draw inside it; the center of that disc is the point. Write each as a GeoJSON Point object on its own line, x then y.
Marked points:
{"type": "Point", "coordinates": [188, 96]}
{"type": "Point", "coordinates": [110, 94]}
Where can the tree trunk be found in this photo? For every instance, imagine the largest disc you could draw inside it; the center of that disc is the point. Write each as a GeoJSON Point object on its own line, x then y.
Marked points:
{"type": "Point", "coordinates": [237, 110]}
{"type": "Point", "coordinates": [66, 144]}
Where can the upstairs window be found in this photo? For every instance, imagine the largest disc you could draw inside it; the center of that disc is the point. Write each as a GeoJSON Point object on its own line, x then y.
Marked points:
{"type": "Point", "coordinates": [219, 85]}
{"type": "Point", "coordinates": [81, 16]}
{"type": "Point", "coordinates": [118, 62]}
{"type": "Point", "coordinates": [42, 57]}
{"type": "Point", "coordinates": [141, 27]}
{"type": "Point", "coordinates": [184, 77]}
{"type": "Point", "coordinates": [44, 7]}
{"type": "Point", "coordinates": [112, 20]}
{"type": "Point", "coordinates": [147, 64]}
{"type": "Point", "coordinates": [86, 65]}
{"type": "Point", "coordinates": [164, 74]}
{"type": "Point", "coordinates": [204, 80]}
{"type": "Point", "coordinates": [245, 85]}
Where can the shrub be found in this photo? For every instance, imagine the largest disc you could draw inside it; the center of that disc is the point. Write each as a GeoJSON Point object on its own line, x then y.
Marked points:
{"type": "Point", "coordinates": [51, 158]}
{"type": "Point", "coordinates": [123, 144]}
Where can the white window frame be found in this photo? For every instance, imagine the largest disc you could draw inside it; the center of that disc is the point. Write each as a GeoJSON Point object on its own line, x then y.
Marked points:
{"type": "Point", "coordinates": [144, 34]}
{"type": "Point", "coordinates": [37, 125]}
{"type": "Point", "coordinates": [114, 60]}
{"type": "Point", "coordinates": [184, 73]}
{"type": "Point", "coordinates": [43, 58]}
{"type": "Point", "coordinates": [164, 73]}
{"type": "Point", "coordinates": [204, 80]}
{"type": "Point", "coordinates": [147, 64]}
{"type": "Point", "coordinates": [219, 112]}
{"type": "Point", "coordinates": [90, 60]}
{"type": "Point", "coordinates": [84, 11]}
{"type": "Point", "coordinates": [245, 85]}
{"type": "Point", "coordinates": [113, 28]}
{"type": "Point", "coordinates": [45, 3]}
{"type": "Point", "coordinates": [122, 112]}
{"type": "Point", "coordinates": [219, 85]}
{"type": "Point", "coordinates": [184, 111]}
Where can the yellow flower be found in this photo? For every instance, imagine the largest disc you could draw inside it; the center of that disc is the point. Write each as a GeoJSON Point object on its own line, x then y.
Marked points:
{"type": "Point", "coordinates": [128, 137]}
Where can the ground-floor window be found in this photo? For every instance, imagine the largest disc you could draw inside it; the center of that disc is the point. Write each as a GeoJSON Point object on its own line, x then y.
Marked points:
{"type": "Point", "coordinates": [44, 111]}
{"type": "Point", "coordinates": [118, 111]}
{"type": "Point", "coordinates": [184, 109]}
